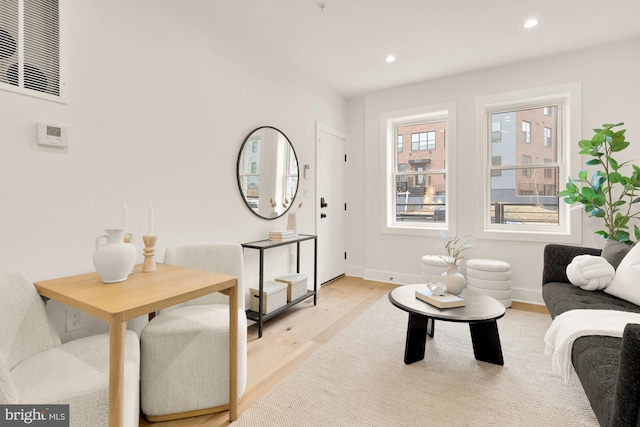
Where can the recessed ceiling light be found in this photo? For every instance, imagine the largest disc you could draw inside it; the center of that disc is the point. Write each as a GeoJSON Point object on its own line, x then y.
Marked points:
{"type": "Point", "coordinates": [390, 58]}
{"type": "Point", "coordinates": [531, 23]}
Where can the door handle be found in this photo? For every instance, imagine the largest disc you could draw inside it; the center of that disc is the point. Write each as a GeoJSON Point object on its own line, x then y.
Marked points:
{"type": "Point", "coordinates": [323, 204]}
{"type": "Point", "coordinates": [323, 215]}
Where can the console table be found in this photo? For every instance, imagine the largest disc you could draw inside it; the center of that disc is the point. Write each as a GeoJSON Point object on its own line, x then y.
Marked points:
{"type": "Point", "coordinates": [262, 246]}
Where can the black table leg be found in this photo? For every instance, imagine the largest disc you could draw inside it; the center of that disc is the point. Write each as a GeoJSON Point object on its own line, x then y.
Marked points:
{"type": "Point", "coordinates": [486, 342]}
{"type": "Point", "coordinates": [416, 338]}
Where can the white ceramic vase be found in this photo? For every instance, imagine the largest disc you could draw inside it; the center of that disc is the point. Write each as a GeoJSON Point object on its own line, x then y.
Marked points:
{"type": "Point", "coordinates": [114, 259]}
{"type": "Point", "coordinates": [292, 223]}
{"type": "Point", "coordinates": [454, 280]}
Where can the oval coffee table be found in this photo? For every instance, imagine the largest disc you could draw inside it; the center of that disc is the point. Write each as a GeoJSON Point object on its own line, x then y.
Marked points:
{"type": "Point", "coordinates": [480, 312]}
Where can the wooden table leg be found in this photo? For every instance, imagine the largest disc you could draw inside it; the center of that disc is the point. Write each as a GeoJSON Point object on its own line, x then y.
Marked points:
{"type": "Point", "coordinates": [233, 353]}
{"type": "Point", "coordinates": [117, 330]}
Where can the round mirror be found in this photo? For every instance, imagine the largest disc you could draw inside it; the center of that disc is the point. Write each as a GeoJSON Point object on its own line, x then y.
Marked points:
{"type": "Point", "coordinates": [267, 172]}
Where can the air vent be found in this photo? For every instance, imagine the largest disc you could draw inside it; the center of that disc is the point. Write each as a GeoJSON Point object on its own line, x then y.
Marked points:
{"type": "Point", "coordinates": [30, 45]}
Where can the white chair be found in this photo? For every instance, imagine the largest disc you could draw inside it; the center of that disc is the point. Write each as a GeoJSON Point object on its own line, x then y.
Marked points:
{"type": "Point", "coordinates": [185, 348]}
{"type": "Point", "coordinates": [35, 368]}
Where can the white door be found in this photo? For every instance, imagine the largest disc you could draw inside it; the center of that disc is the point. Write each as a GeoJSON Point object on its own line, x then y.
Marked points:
{"type": "Point", "coordinates": [331, 149]}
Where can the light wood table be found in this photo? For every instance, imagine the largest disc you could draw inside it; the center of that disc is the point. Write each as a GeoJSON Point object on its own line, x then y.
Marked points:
{"type": "Point", "coordinates": [140, 294]}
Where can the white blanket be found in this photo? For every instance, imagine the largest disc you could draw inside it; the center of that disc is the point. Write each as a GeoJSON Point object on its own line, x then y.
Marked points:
{"type": "Point", "coordinates": [573, 324]}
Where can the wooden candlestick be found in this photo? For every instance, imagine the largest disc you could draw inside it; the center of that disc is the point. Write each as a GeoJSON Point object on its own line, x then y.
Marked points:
{"type": "Point", "coordinates": [149, 251]}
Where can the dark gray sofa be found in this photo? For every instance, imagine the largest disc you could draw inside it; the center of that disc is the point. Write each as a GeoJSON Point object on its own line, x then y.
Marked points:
{"type": "Point", "coordinates": [608, 367]}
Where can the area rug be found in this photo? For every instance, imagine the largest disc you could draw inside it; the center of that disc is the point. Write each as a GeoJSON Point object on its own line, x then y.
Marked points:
{"type": "Point", "coordinates": [359, 379]}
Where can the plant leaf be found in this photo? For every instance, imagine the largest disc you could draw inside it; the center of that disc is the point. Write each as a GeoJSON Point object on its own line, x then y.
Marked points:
{"type": "Point", "coordinates": [598, 138]}
{"type": "Point", "coordinates": [615, 177]}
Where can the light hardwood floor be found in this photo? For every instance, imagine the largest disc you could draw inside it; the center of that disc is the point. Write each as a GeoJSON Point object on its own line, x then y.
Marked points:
{"type": "Point", "coordinates": [294, 335]}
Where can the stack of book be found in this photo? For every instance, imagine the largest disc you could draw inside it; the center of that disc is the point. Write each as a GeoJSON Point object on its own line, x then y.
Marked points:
{"type": "Point", "coordinates": [441, 301]}
{"type": "Point", "coordinates": [281, 236]}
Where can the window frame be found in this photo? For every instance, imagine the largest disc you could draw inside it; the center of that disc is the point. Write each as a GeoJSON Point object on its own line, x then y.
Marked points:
{"type": "Point", "coordinates": [568, 99]}
{"type": "Point", "coordinates": [388, 161]}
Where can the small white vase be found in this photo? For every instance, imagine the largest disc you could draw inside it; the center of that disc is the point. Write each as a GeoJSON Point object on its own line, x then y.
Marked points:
{"type": "Point", "coordinates": [292, 223]}
{"type": "Point", "coordinates": [115, 259]}
{"type": "Point", "coordinates": [454, 280]}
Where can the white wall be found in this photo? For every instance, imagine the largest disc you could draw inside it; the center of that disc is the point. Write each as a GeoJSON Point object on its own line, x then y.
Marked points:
{"type": "Point", "coordinates": [608, 75]}
{"type": "Point", "coordinates": [159, 102]}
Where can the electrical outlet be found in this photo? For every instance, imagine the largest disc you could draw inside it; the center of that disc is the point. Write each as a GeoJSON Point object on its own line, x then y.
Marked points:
{"type": "Point", "coordinates": [74, 319]}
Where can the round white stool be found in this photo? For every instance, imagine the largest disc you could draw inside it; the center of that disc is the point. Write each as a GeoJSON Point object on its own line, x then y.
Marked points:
{"type": "Point", "coordinates": [432, 267]}
{"type": "Point", "coordinates": [491, 277]}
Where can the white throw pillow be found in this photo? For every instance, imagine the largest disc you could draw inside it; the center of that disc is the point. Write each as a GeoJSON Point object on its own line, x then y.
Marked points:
{"type": "Point", "coordinates": [626, 284]}
{"type": "Point", "coordinates": [590, 272]}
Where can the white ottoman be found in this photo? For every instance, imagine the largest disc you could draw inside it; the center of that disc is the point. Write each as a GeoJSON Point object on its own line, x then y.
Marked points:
{"type": "Point", "coordinates": [432, 267]}
{"type": "Point", "coordinates": [491, 277]}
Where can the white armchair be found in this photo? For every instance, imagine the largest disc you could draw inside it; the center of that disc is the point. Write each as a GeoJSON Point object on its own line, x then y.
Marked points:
{"type": "Point", "coordinates": [185, 348]}
{"type": "Point", "coordinates": [35, 368]}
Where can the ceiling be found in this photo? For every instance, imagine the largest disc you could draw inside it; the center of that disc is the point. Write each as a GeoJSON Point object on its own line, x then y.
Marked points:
{"type": "Point", "coordinates": [344, 44]}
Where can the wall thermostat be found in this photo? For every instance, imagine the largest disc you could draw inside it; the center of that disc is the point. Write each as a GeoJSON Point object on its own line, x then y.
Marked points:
{"type": "Point", "coordinates": [52, 135]}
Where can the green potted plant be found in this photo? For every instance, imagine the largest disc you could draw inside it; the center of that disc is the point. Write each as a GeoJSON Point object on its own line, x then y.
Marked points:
{"type": "Point", "coordinates": [607, 193]}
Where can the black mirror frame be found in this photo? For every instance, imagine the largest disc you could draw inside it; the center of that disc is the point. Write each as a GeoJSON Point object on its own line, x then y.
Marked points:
{"type": "Point", "coordinates": [244, 199]}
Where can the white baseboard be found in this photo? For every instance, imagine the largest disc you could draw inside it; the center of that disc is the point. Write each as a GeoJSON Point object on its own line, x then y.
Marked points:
{"type": "Point", "coordinates": [355, 271]}
{"type": "Point", "coordinates": [517, 294]}
{"type": "Point", "coordinates": [392, 277]}
{"type": "Point", "coordinates": [527, 295]}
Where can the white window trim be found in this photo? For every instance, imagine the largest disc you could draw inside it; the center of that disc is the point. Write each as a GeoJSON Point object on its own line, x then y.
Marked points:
{"type": "Point", "coordinates": [62, 97]}
{"type": "Point", "coordinates": [569, 229]}
{"type": "Point", "coordinates": [388, 224]}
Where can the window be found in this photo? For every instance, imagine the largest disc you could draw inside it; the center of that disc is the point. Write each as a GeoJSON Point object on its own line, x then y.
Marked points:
{"type": "Point", "coordinates": [496, 161]}
{"type": "Point", "coordinates": [416, 191]}
{"type": "Point", "coordinates": [547, 137]}
{"type": "Point", "coordinates": [526, 160]}
{"type": "Point", "coordinates": [523, 172]}
{"type": "Point", "coordinates": [526, 131]}
{"type": "Point", "coordinates": [30, 47]}
{"type": "Point", "coordinates": [496, 131]}
{"type": "Point", "coordinates": [400, 148]}
{"type": "Point", "coordinates": [423, 141]}
{"type": "Point", "coordinates": [431, 140]}
{"type": "Point", "coordinates": [401, 180]}
{"type": "Point", "coordinates": [548, 173]}
{"type": "Point", "coordinates": [415, 142]}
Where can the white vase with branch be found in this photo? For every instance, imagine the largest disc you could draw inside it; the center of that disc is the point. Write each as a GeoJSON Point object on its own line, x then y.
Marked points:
{"type": "Point", "coordinates": [292, 219]}
{"type": "Point", "coordinates": [452, 278]}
